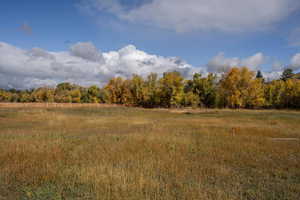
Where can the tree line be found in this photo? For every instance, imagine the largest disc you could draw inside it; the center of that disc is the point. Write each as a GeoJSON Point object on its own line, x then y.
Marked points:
{"type": "Point", "coordinates": [237, 88]}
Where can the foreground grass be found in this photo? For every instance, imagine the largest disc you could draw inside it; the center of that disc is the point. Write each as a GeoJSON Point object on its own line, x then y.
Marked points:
{"type": "Point", "coordinates": [132, 153]}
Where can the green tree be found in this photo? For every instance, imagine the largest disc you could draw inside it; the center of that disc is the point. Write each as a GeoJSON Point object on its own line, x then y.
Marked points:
{"type": "Point", "coordinates": [151, 91]}
{"type": "Point", "coordinates": [93, 94]}
{"type": "Point", "coordinates": [64, 86]}
{"type": "Point", "coordinates": [287, 74]}
{"type": "Point", "coordinates": [136, 87]}
{"type": "Point", "coordinates": [171, 89]}
{"type": "Point", "coordinates": [64, 93]}
{"type": "Point", "coordinates": [24, 97]}
{"type": "Point", "coordinates": [205, 89]}
{"type": "Point", "coordinates": [274, 92]}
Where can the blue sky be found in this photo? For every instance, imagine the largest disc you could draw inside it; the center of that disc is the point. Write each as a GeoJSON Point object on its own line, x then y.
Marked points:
{"type": "Point", "coordinates": [196, 35]}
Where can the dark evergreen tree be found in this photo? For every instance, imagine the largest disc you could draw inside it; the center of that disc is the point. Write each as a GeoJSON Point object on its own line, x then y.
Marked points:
{"type": "Point", "coordinates": [259, 74]}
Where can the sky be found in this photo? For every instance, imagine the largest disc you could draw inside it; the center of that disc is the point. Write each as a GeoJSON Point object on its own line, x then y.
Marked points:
{"type": "Point", "coordinates": [43, 43]}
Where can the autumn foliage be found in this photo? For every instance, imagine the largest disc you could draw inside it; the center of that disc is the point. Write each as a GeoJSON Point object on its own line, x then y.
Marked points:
{"type": "Point", "coordinates": [238, 88]}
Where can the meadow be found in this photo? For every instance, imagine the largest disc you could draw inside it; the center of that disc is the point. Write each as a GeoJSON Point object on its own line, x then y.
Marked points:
{"type": "Point", "coordinates": [116, 152]}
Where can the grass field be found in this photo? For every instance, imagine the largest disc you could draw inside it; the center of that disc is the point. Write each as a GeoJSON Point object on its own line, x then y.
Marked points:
{"type": "Point", "coordinates": [50, 152]}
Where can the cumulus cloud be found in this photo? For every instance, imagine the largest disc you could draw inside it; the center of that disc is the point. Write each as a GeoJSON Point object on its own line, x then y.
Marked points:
{"type": "Point", "coordinates": [87, 51]}
{"type": "Point", "coordinates": [295, 62]}
{"type": "Point", "coordinates": [269, 76]}
{"type": "Point", "coordinates": [203, 15]}
{"type": "Point", "coordinates": [221, 64]}
{"type": "Point", "coordinates": [277, 66]}
{"type": "Point", "coordinates": [39, 53]}
{"type": "Point", "coordinates": [83, 64]}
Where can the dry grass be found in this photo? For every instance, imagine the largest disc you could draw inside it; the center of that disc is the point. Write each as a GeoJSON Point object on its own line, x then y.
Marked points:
{"type": "Point", "coordinates": [55, 105]}
{"type": "Point", "coordinates": [88, 152]}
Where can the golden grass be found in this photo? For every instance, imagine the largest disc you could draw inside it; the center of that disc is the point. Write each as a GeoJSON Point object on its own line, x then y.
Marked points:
{"type": "Point", "coordinates": [88, 152]}
{"type": "Point", "coordinates": [55, 105]}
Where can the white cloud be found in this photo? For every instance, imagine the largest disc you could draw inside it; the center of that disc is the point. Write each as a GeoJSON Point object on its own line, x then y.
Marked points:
{"type": "Point", "coordinates": [221, 64]}
{"type": "Point", "coordinates": [82, 64]}
{"type": "Point", "coordinates": [268, 76]}
{"type": "Point", "coordinates": [201, 15]}
{"type": "Point", "coordinates": [85, 65]}
{"type": "Point", "coordinates": [277, 66]}
{"type": "Point", "coordinates": [295, 62]}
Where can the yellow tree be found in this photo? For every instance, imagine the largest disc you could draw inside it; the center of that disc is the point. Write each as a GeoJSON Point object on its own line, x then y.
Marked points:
{"type": "Point", "coordinates": [75, 95]}
{"type": "Point", "coordinates": [291, 96]}
{"type": "Point", "coordinates": [136, 87]}
{"type": "Point", "coordinates": [151, 91]}
{"type": "Point", "coordinates": [5, 96]}
{"type": "Point", "coordinates": [274, 92]}
{"type": "Point", "coordinates": [127, 97]}
{"type": "Point", "coordinates": [116, 91]}
{"type": "Point", "coordinates": [240, 89]}
{"type": "Point", "coordinates": [230, 88]}
{"type": "Point", "coordinates": [43, 95]}
{"type": "Point", "coordinates": [171, 89]}
{"type": "Point", "coordinates": [254, 94]}
{"type": "Point", "coordinates": [191, 99]}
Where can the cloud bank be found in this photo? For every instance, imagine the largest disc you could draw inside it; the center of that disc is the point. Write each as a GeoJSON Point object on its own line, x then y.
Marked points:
{"type": "Point", "coordinates": [220, 64]}
{"type": "Point", "coordinates": [200, 15]}
{"type": "Point", "coordinates": [84, 64]}
{"type": "Point", "coordinates": [295, 62]}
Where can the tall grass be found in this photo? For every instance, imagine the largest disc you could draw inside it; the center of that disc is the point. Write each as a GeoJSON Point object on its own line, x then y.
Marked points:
{"type": "Point", "coordinates": [133, 153]}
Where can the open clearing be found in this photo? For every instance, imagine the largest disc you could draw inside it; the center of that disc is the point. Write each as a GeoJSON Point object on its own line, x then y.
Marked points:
{"type": "Point", "coordinates": [115, 152]}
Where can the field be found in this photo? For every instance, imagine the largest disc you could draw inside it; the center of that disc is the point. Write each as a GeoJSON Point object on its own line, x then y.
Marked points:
{"type": "Point", "coordinates": [103, 152]}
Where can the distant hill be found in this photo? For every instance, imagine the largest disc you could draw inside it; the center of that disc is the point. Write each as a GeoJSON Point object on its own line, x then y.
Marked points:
{"type": "Point", "coordinates": [297, 76]}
